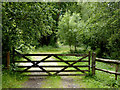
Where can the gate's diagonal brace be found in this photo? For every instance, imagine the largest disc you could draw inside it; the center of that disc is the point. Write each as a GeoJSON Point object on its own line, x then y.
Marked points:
{"type": "Point", "coordinates": [70, 64]}
{"type": "Point", "coordinates": [39, 67]}
{"type": "Point", "coordinates": [26, 59]}
{"type": "Point", "coordinates": [79, 60]}
{"type": "Point", "coordinates": [34, 64]}
{"type": "Point", "coordinates": [43, 59]}
{"type": "Point", "coordinates": [44, 70]}
{"type": "Point", "coordinates": [67, 67]}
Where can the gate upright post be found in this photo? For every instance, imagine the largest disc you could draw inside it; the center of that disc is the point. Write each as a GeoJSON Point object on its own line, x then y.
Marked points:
{"type": "Point", "coordinates": [93, 63]}
{"type": "Point", "coordinates": [89, 61]}
{"type": "Point", "coordinates": [117, 66]}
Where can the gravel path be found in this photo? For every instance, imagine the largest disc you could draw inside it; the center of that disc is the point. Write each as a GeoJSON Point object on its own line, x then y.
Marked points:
{"type": "Point", "coordinates": [37, 82]}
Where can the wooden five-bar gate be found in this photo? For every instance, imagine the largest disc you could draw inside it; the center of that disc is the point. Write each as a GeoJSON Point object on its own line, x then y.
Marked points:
{"type": "Point", "coordinates": [83, 61]}
{"type": "Point", "coordinates": [49, 72]}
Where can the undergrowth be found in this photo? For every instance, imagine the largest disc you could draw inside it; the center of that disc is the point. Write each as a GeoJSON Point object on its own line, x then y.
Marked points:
{"type": "Point", "coordinates": [101, 79]}
{"type": "Point", "coordinates": [12, 79]}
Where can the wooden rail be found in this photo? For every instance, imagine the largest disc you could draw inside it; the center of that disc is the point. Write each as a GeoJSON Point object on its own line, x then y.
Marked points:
{"type": "Point", "coordinates": [111, 72]}
{"type": "Point", "coordinates": [107, 60]}
{"type": "Point", "coordinates": [55, 66]}
{"type": "Point", "coordinates": [59, 75]}
{"type": "Point", "coordinates": [50, 61]}
{"type": "Point", "coordinates": [51, 71]}
{"type": "Point", "coordinates": [94, 59]}
{"type": "Point", "coordinates": [52, 54]}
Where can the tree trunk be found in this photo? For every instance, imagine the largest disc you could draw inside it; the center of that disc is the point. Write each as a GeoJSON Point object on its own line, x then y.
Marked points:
{"type": "Point", "coordinates": [75, 48]}
{"type": "Point", "coordinates": [70, 46]}
{"type": "Point", "coordinates": [75, 44]}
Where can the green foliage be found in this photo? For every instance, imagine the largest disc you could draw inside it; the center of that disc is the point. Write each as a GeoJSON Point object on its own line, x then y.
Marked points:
{"type": "Point", "coordinates": [12, 80]}
{"type": "Point", "coordinates": [101, 26]}
{"type": "Point", "coordinates": [98, 27]}
{"type": "Point", "coordinates": [103, 79]}
{"type": "Point", "coordinates": [69, 28]}
{"type": "Point", "coordinates": [26, 24]}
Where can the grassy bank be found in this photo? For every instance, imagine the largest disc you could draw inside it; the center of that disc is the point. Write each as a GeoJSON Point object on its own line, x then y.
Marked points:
{"type": "Point", "coordinates": [12, 80]}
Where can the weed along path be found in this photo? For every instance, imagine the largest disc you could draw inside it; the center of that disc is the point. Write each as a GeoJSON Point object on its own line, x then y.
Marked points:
{"type": "Point", "coordinates": [51, 81]}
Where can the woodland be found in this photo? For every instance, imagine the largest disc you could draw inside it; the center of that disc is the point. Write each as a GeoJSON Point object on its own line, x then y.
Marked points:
{"type": "Point", "coordinates": [30, 25]}
{"type": "Point", "coordinates": [55, 27]}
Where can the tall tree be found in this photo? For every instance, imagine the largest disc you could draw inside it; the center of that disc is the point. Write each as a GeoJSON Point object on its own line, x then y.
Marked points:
{"type": "Point", "coordinates": [69, 28]}
{"type": "Point", "coordinates": [25, 24]}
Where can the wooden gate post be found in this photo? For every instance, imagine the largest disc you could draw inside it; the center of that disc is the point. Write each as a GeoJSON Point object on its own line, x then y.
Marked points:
{"type": "Point", "coordinates": [93, 63]}
{"type": "Point", "coordinates": [117, 66]}
{"type": "Point", "coordinates": [89, 61]}
{"type": "Point", "coordinates": [8, 60]}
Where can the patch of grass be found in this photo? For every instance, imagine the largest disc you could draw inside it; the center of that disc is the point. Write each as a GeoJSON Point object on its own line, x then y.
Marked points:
{"type": "Point", "coordinates": [52, 49]}
{"type": "Point", "coordinates": [52, 82]}
{"type": "Point", "coordinates": [12, 80]}
{"type": "Point", "coordinates": [102, 79]}
{"type": "Point", "coordinates": [61, 49]}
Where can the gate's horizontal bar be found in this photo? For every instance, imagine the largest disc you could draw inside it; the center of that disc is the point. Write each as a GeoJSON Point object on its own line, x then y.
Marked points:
{"type": "Point", "coordinates": [55, 66]}
{"type": "Point", "coordinates": [60, 75]}
{"type": "Point", "coordinates": [54, 71]}
{"type": "Point", "coordinates": [52, 54]}
{"type": "Point", "coordinates": [53, 61]}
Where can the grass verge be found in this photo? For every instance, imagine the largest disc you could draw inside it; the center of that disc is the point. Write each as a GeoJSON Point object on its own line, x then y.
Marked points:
{"type": "Point", "coordinates": [12, 80]}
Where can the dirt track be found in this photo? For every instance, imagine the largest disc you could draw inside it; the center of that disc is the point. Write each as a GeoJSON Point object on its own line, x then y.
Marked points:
{"type": "Point", "coordinates": [38, 82]}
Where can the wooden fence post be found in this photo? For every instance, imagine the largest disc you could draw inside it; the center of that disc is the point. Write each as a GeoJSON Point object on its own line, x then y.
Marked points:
{"type": "Point", "coordinates": [93, 63]}
{"type": "Point", "coordinates": [117, 66]}
{"type": "Point", "coordinates": [8, 60]}
{"type": "Point", "coordinates": [89, 61]}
